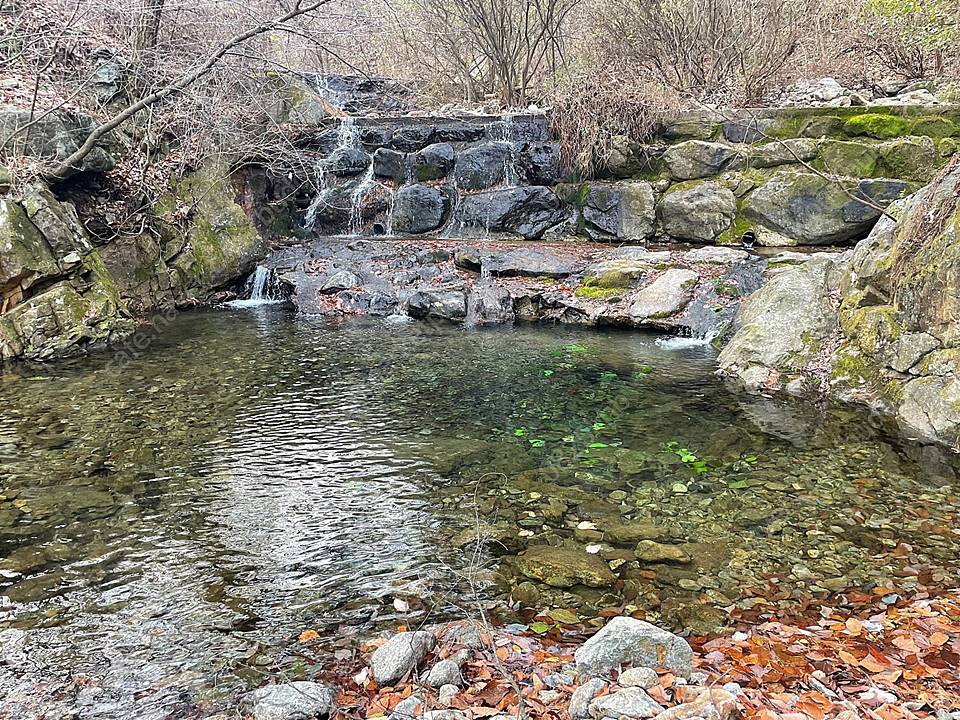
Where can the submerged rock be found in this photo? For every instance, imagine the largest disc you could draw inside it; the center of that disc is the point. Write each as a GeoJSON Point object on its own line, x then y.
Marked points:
{"type": "Point", "coordinates": [650, 551]}
{"type": "Point", "coordinates": [299, 700]}
{"type": "Point", "coordinates": [564, 567]}
{"type": "Point", "coordinates": [399, 655]}
{"type": "Point", "coordinates": [629, 642]}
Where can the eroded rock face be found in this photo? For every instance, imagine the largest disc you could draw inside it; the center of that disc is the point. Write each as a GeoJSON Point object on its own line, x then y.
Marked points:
{"type": "Point", "coordinates": [525, 211]}
{"type": "Point", "coordinates": [53, 138]}
{"type": "Point", "coordinates": [625, 641]}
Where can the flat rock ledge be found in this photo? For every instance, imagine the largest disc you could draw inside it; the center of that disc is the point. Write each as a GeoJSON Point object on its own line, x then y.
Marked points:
{"type": "Point", "coordinates": [689, 292]}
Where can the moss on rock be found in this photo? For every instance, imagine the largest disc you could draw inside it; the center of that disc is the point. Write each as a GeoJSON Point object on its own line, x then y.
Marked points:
{"type": "Point", "coordinates": [877, 125]}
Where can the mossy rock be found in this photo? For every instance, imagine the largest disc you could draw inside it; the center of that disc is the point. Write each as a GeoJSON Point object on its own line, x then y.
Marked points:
{"type": "Point", "coordinates": [936, 127]}
{"type": "Point", "coordinates": [912, 158]}
{"type": "Point", "coordinates": [849, 158]}
{"type": "Point", "coordinates": [877, 125]}
{"type": "Point", "coordinates": [609, 279]}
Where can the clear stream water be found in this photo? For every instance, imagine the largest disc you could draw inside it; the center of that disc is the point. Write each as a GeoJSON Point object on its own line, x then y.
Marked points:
{"type": "Point", "coordinates": [171, 518]}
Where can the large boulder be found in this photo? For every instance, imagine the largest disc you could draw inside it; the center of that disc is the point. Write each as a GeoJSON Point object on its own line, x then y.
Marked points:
{"type": "Point", "coordinates": [442, 304]}
{"type": "Point", "coordinates": [490, 305]}
{"type": "Point", "coordinates": [665, 296]}
{"type": "Point", "coordinates": [419, 209]}
{"type": "Point", "coordinates": [539, 163]}
{"type": "Point", "coordinates": [627, 642]}
{"type": "Point", "coordinates": [391, 164]}
{"type": "Point", "coordinates": [53, 137]}
{"type": "Point", "coordinates": [298, 700]}
{"type": "Point", "coordinates": [433, 162]}
{"type": "Point", "coordinates": [399, 655]}
{"type": "Point", "coordinates": [784, 325]}
{"type": "Point", "coordinates": [564, 567]}
{"type": "Point", "coordinates": [700, 212]}
{"type": "Point", "coordinates": [482, 166]}
{"type": "Point", "coordinates": [25, 255]}
{"type": "Point", "coordinates": [612, 211]}
{"type": "Point", "coordinates": [529, 262]}
{"type": "Point", "coordinates": [698, 159]}
{"type": "Point", "coordinates": [525, 211]}
{"type": "Point", "coordinates": [809, 209]}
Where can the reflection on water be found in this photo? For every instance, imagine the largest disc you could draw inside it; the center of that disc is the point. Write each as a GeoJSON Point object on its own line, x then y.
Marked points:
{"type": "Point", "coordinates": [169, 524]}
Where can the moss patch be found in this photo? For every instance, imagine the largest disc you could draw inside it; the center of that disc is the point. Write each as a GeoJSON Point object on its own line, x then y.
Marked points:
{"type": "Point", "coordinates": [876, 125]}
{"type": "Point", "coordinates": [591, 292]}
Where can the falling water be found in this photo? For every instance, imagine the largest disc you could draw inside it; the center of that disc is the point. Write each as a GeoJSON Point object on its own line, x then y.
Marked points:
{"type": "Point", "coordinates": [347, 137]}
{"type": "Point", "coordinates": [356, 201]}
{"type": "Point", "coordinates": [262, 288]}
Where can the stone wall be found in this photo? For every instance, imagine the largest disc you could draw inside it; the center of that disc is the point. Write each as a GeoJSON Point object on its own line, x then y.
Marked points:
{"type": "Point", "coordinates": [790, 176]}
{"type": "Point", "coordinates": [712, 177]}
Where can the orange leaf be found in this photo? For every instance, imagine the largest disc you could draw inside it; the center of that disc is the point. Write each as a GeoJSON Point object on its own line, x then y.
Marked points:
{"type": "Point", "coordinates": [308, 635]}
{"type": "Point", "coordinates": [503, 653]}
{"type": "Point", "coordinates": [854, 626]}
{"type": "Point", "coordinates": [939, 638]}
{"type": "Point", "coordinates": [906, 643]}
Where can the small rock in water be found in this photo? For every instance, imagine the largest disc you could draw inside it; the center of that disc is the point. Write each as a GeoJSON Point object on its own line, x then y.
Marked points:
{"type": "Point", "coordinates": [631, 702]}
{"type": "Point", "coordinates": [445, 672]}
{"type": "Point", "coordinates": [291, 701]}
{"type": "Point", "coordinates": [399, 655]}
{"type": "Point", "coordinates": [650, 551]}
{"type": "Point", "coordinates": [627, 641]}
{"type": "Point", "coordinates": [582, 696]}
{"type": "Point", "coordinates": [640, 677]}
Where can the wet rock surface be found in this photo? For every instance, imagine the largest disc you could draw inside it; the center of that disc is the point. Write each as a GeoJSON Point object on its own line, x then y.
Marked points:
{"type": "Point", "coordinates": [692, 293]}
{"type": "Point", "coordinates": [300, 700]}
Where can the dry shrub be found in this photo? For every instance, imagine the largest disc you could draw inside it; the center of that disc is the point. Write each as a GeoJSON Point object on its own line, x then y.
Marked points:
{"type": "Point", "coordinates": [911, 38]}
{"type": "Point", "coordinates": [711, 50]}
{"type": "Point", "coordinates": [593, 111]}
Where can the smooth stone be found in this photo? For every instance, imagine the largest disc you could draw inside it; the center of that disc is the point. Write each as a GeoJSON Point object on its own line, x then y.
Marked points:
{"type": "Point", "coordinates": [399, 655]}
{"type": "Point", "coordinates": [445, 672]}
{"type": "Point", "coordinates": [641, 677]}
{"type": "Point", "coordinates": [650, 551]}
{"type": "Point", "coordinates": [582, 696]}
{"type": "Point", "coordinates": [632, 702]}
{"type": "Point", "coordinates": [299, 700]}
{"type": "Point", "coordinates": [628, 641]}
{"type": "Point", "coordinates": [564, 567]}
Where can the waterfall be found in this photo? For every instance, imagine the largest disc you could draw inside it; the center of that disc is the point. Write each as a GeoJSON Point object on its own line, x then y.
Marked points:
{"type": "Point", "coordinates": [262, 288]}
{"type": "Point", "coordinates": [511, 177]}
{"type": "Point", "coordinates": [356, 201]}
{"type": "Point", "coordinates": [348, 136]}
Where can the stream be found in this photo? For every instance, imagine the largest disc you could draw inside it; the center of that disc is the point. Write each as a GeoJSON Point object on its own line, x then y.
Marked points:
{"type": "Point", "coordinates": [174, 515]}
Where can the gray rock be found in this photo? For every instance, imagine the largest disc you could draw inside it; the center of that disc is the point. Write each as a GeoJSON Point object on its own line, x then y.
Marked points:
{"type": "Point", "coordinates": [399, 655]}
{"type": "Point", "coordinates": [391, 164]}
{"type": "Point", "coordinates": [564, 567]}
{"type": "Point", "coordinates": [447, 693]}
{"type": "Point", "coordinates": [716, 255]}
{"type": "Point", "coordinates": [582, 696]}
{"type": "Point", "coordinates": [698, 159]}
{"type": "Point", "coordinates": [412, 137]}
{"type": "Point", "coordinates": [346, 162]}
{"type": "Point", "coordinates": [746, 130]}
{"type": "Point", "coordinates": [529, 263]}
{"type": "Point", "coordinates": [445, 672]}
{"type": "Point", "coordinates": [805, 208]}
{"type": "Point", "coordinates": [638, 207]}
{"type": "Point", "coordinates": [409, 708]}
{"type": "Point", "coordinates": [299, 700]}
{"type": "Point", "coordinates": [490, 305]}
{"type": "Point", "coordinates": [631, 702]}
{"type": "Point", "coordinates": [525, 211]}
{"type": "Point", "coordinates": [433, 162]}
{"type": "Point", "coordinates": [782, 325]}
{"type": "Point", "coordinates": [340, 280]}
{"type": "Point", "coordinates": [699, 213]}
{"type": "Point", "coordinates": [665, 296]}
{"type": "Point", "coordinates": [641, 677]}
{"type": "Point", "coordinates": [53, 138]}
{"type": "Point", "coordinates": [626, 641]}
{"type": "Point", "coordinates": [442, 304]}
{"type": "Point", "coordinates": [482, 166]}
{"type": "Point", "coordinates": [539, 162]}
{"type": "Point", "coordinates": [419, 209]}
{"type": "Point", "coordinates": [781, 152]}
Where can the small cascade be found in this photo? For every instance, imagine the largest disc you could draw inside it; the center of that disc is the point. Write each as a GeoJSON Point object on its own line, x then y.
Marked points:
{"type": "Point", "coordinates": [347, 137]}
{"type": "Point", "coordinates": [367, 182]}
{"type": "Point", "coordinates": [511, 176]}
{"type": "Point", "coordinates": [263, 287]}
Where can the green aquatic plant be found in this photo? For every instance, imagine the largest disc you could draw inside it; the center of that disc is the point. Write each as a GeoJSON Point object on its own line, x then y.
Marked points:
{"type": "Point", "coordinates": [687, 457]}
